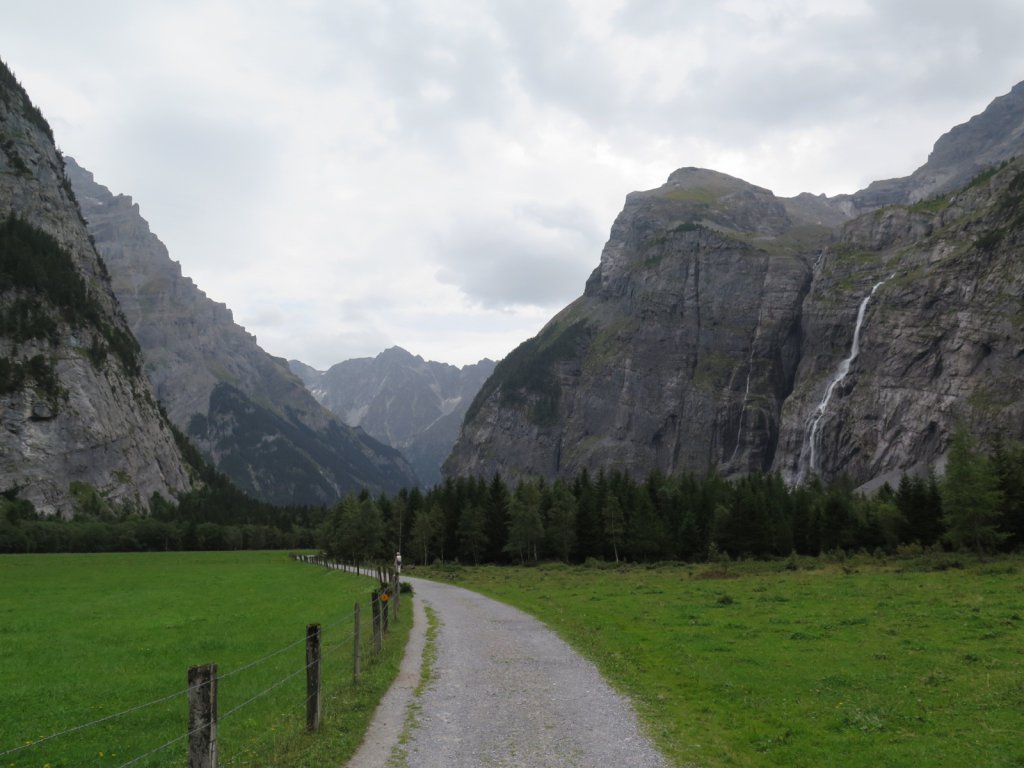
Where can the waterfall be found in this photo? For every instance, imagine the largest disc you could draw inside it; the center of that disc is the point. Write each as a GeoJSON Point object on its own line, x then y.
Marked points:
{"type": "Point", "coordinates": [750, 362]}
{"type": "Point", "coordinates": [841, 370]}
{"type": "Point", "coordinates": [743, 406]}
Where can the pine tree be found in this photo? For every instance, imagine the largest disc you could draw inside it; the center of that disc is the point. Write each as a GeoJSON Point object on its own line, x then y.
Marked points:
{"type": "Point", "coordinates": [614, 523]}
{"type": "Point", "coordinates": [525, 524]}
{"type": "Point", "coordinates": [971, 498]}
{"type": "Point", "coordinates": [426, 529]}
{"type": "Point", "coordinates": [561, 522]}
{"type": "Point", "coordinates": [472, 533]}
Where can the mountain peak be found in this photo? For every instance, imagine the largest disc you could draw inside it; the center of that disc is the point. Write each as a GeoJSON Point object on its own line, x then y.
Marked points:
{"type": "Point", "coordinates": [397, 353]}
{"type": "Point", "coordinates": [710, 180]}
{"type": "Point", "coordinates": [960, 154]}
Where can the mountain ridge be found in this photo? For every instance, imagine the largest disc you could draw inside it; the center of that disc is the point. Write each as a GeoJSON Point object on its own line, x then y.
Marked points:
{"type": "Point", "coordinates": [715, 321]}
{"type": "Point", "coordinates": [78, 416]}
{"type": "Point", "coordinates": [242, 407]}
{"type": "Point", "coordinates": [412, 404]}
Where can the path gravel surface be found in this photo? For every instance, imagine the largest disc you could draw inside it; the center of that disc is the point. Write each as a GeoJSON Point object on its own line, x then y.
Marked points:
{"type": "Point", "coordinates": [506, 691]}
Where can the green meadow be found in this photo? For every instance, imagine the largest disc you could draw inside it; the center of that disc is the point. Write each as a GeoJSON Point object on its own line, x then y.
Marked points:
{"type": "Point", "coordinates": [798, 663]}
{"type": "Point", "coordinates": [84, 637]}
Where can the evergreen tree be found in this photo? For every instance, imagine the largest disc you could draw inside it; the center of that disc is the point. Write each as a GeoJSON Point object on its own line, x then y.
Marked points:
{"type": "Point", "coordinates": [590, 537]}
{"type": "Point", "coordinates": [472, 533]}
{"type": "Point", "coordinates": [1008, 463]}
{"type": "Point", "coordinates": [614, 523]}
{"type": "Point", "coordinates": [971, 498]}
{"type": "Point", "coordinates": [496, 519]}
{"type": "Point", "coordinates": [525, 524]}
{"type": "Point", "coordinates": [426, 529]}
{"type": "Point", "coordinates": [561, 521]}
{"type": "Point", "coordinates": [921, 509]}
{"type": "Point", "coordinates": [369, 533]}
{"type": "Point", "coordinates": [645, 534]}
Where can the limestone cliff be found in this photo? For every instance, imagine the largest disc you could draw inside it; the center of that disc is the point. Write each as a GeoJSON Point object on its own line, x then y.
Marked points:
{"type": "Point", "coordinates": [403, 400]}
{"type": "Point", "coordinates": [242, 407]}
{"type": "Point", "coordinates": [728, 328]}
{"type": "Point", "coordinates": [678, 356]}
{"type": "Point", "coordinates": [941, 336]}
{"type": "Point", "coordinates": [74, 405]}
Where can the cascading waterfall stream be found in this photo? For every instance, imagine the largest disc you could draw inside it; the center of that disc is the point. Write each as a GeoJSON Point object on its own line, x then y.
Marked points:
{"type": "Point", "coordinates": [842, 370]}
{"type": "Point", "coordinates": [750, 369]}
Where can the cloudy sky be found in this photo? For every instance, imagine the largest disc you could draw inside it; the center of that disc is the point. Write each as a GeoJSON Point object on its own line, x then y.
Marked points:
{"type": "Point", "coordinates": [348, 175]}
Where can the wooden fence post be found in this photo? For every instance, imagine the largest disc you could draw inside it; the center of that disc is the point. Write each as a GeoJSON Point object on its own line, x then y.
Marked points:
{"type": "Point", "coordinates": [375, 606]}
{"type": "Point", "coordinates": [312, 677]}
{"type": "Point", "coordinates": [395, 579]}
{"type": "Point", "coordinates": [356, 645]}
{"type": "Point", "coordinates": [202, 716]}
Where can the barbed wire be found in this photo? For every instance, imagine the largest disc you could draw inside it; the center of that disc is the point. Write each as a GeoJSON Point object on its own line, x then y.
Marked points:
{"type": "Point", "coordinates": [265, 691]}
{"type": "Point", "coordinates": [329, 649]}
{"type": "Point", "coordinates": [162, 747]}
{"type": "Point", "coordinates": [104, 719]}
{"type": "Point", "coordinates": [268, 657]}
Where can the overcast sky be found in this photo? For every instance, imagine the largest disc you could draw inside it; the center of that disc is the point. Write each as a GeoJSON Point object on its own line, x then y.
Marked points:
{"type": "Point", "coordinates": [348, 175]}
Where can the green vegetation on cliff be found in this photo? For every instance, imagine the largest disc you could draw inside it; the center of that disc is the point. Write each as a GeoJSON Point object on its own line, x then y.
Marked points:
{"type": "Point", "coordinates": [526, 376]}
{"type": "Point", "coordinates": [38, 269]}
{"type": "Point", "coordinates": [9, 85]}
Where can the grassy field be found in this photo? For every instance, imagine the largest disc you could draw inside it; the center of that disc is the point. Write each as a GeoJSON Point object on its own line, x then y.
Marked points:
{"type": "Point", "coordinates": [803, 663]}
{"type": "Point", "coordinates": [87, 636]}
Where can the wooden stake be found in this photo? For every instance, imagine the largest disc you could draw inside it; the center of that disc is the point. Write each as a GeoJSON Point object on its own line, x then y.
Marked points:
{"type": "Point", "coordinates": [202, 716]}
{"type": "Point", "coordinates": [356, 646]}
{"type": "Point", "coordinates": [312, 677]}
{"type": "Point", "coordinates": [375, 606]}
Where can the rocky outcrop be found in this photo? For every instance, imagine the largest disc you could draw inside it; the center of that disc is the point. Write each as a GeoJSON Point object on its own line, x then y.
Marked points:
{"type": "Point", "coordinates": [680, 353]}
{"type": "Point", "coordinates": [414, 405]}
{"type": "Point", "coordinates": [242, 407]}
{"type": "Point", "coordinates": [994, 136]}
{"type": "Point", "coordinates": [728, 328]}
{"type": "Point", "coordinates": [941, 342]}
{"type": "Point", "coordinates": [75, 408]}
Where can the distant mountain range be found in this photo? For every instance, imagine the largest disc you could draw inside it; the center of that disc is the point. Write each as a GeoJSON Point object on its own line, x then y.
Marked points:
{"type": "Point", "coordinates": [243, 408]}
{"type": "Point", "coordinates": [724, 328]}
{"type": "Point", "coordinates": [414, 405]}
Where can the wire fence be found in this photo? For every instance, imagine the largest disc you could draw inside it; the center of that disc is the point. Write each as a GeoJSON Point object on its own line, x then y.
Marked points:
{"type": "Point", "coordinates": [272, 679]}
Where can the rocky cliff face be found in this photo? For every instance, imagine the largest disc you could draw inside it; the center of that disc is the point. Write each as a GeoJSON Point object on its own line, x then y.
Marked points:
{"type": "Point", "coordinates": [716, 330]}
{"type": "Point", "coordinates": [411, 404]}
{"type": "Point", "coordinates": [678, 356]}
{"type": "Point", "coordinates": [939, 287]}
{"type": "Point", "coordinates": [994, 136]}
{"type": "Point", "coordinates": [74, 405]}
{"type": "Point", "coordinates": [241, 406]}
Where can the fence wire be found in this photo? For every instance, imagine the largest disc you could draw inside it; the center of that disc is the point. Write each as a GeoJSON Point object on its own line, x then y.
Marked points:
{"type": "Point", "coordinates": [325, 650]}
{"type": "Point", "coordinates": [83, 726]}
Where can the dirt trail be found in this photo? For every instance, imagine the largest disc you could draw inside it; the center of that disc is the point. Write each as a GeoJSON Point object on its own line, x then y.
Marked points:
{"type": "Point", "coordinates": [504, 691]}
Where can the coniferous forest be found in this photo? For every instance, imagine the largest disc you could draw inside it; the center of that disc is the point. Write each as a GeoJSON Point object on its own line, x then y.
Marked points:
{"type": "Point", "coordinates": [977, 506]}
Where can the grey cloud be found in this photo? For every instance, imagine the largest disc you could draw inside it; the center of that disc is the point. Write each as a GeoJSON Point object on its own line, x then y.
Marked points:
{"type": "Point", "coordinates": [205, 172]}
{"type": "Point", "coordinates": [820, 68]}
{"type": "Point", "coordinates": [570, 217]}
{"type": "Point", "coordinates": [408, 50]}
{"type": "Point", "coordinates": [518, 262]}
{"type": "Point", "coordinates": [556, 62]}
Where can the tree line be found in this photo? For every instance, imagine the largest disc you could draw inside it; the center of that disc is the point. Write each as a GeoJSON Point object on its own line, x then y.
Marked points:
{"type": "Point", "coordinates": [214, 515]}
{"type": "Point", "coordinates": [978, 505]}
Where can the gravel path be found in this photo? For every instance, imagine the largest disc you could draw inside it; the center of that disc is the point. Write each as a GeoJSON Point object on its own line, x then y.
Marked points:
{"type": "Point", "coordinates": [506, 691]}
